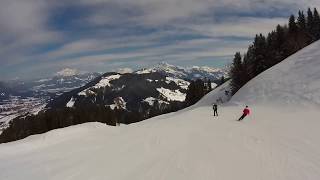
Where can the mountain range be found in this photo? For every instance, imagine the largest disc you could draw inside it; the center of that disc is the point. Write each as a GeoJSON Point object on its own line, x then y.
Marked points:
{"type": "Point", "coordinates": [164, 85]}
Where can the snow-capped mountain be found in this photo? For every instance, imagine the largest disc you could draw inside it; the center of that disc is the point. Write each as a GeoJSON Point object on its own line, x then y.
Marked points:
{"type": "Point", "coordinates": [163, 86]}
{"type": "Point", "coordinates": [274, 142]}
{"type": "Point", "coordinates": [18, 97]}
{"type": "Point", "coordinates": [131, 92]}
{"type": "Point", "coordinates": [62, 82]}
{"type": "Point", "coordinates": [190, 73]}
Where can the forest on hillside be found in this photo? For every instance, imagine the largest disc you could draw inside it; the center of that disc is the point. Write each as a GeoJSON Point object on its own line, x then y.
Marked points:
{"type": "Point", "coordinates": [266, 51]}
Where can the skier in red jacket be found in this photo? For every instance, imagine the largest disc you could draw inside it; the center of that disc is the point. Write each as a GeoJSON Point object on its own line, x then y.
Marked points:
{"type": "Point", "coordinates": [246, 112]}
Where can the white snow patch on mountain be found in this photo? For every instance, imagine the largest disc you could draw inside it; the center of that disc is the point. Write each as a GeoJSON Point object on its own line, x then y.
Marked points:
{"type": "Point", "coordinates": [185, 73]}
{"type": "Point", "coordinates": [86, 92]}
{"type": "Point", "coordinates": [118, 103]}
{"type": "Point", "coordinates": [151, 100]}
{"type": "Point", "coordinates": [144, 71]}
{"type": "Point", "coordinates": [70, 103]}
{"type": "Point", "coordinates": [105, 81]}
{"type": "Point", "coordinates": [37, 109]}
{"type": "Point", "coordinates": [67, 72]}
{"type": "Point", "coordinates": [180, 82]}
{"type": "Point", "coordinates": [171, 95]}
{"type": "Point", "coordinates": [112, 106]}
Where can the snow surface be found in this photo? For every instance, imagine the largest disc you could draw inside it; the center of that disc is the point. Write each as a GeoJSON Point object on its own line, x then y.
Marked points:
{"type": "Point", "coordinates": [151, 100]}
{"type": "Point", "coordinates": [273, 143]}
{"type": "Point", "coordinates": [180, 82]}
{"type": "Point", "coordinates": [71, 102]}
{"type": "Point", "coordinates": [293, 82]}
{"type": "Point", "coordinates": [105, 81]}
{"type": "Point", "coordinates": [144, 71]}
{"type": "Point", "coordinates": [171, 95]}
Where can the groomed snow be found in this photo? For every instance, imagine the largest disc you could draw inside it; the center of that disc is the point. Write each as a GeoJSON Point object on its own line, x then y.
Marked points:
{"type": "Point", "coordinates": [273, 143]}
{"type": "Point", "coordinates": [192, 145]}
{"type": "Point", "coordinates": [293, 82]}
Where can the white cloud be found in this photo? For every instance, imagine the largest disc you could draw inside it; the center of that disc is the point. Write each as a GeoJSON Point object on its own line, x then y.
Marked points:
{"type": "Point", "coordinates": [238, 27]}
{"type": "Point", "coordinates": [25, 27]}
{"type": "Point", "coordinates": [125, 70]}
{"type": "Point", "coordinates": [67, 72]}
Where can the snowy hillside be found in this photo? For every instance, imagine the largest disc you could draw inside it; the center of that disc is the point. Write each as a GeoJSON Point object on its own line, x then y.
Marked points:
{"type": "Point", "coordinates": [293, 82]}
{"type": "Point", "coordinates": [270, 144]}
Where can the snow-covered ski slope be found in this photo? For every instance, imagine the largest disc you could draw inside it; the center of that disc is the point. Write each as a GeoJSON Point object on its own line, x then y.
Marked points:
{"type": "Point", "coordinates": [293, 82]}
{"type": "Point", "coordinates": [277, 142]}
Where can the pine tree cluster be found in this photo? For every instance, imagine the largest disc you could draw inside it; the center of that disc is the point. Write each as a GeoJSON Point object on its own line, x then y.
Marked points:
{"type": "Point", "coordinates": [279, 44]}
{"type": "Point", "coordinates": [196, 90]}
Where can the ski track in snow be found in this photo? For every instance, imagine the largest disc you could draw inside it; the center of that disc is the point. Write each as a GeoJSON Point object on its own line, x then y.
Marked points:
{"type": "Point", "coordinates": [195, 145]}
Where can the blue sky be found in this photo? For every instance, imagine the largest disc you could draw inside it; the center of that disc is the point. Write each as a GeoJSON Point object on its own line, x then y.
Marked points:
{"type": "Point", "coordinates": [41, 37]}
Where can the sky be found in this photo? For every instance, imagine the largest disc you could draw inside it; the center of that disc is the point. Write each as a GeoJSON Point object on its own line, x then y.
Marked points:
{"type": "Point", "coordinates": [40, 37]}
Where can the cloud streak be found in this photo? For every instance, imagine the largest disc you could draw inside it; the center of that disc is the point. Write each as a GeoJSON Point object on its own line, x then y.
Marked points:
{"type": "Point", "coordinates": [39, 35]}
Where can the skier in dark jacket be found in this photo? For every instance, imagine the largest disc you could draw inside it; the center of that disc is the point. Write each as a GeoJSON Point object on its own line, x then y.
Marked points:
{"type": "Point", "coordinates": [246, 112]}
{"type": "Point", "coordinates": [215, 109]}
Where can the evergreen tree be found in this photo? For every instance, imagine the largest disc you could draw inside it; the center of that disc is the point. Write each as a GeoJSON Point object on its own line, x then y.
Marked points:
{"type": "Point", "coordinates": [301, 21]}
{"type": "Point", "coordinates": [209, 85]}
{"type": "Point", "coordinates": [310, 21]}
{"type": "Point", "coordinates": [195, 92]}
{"type": "Point", "coordinates": [222, 80]}
{"type": "Point", "coordinates": [236, 73]}
{"type": "Point", "coordinates": [279, 44]}
{"type": "Point", "coordinates": [260, 53]}
{"type": "Point", "coordinates": [245, 69]}
{"type": "Point", "coordinates": [249, 59]}
{"type": "Point", "coordinates": [190, 95]}
{"type": "Point", "coordinates": [292, 24]}
{"type": "Point", "coordinates": [316, 24]}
